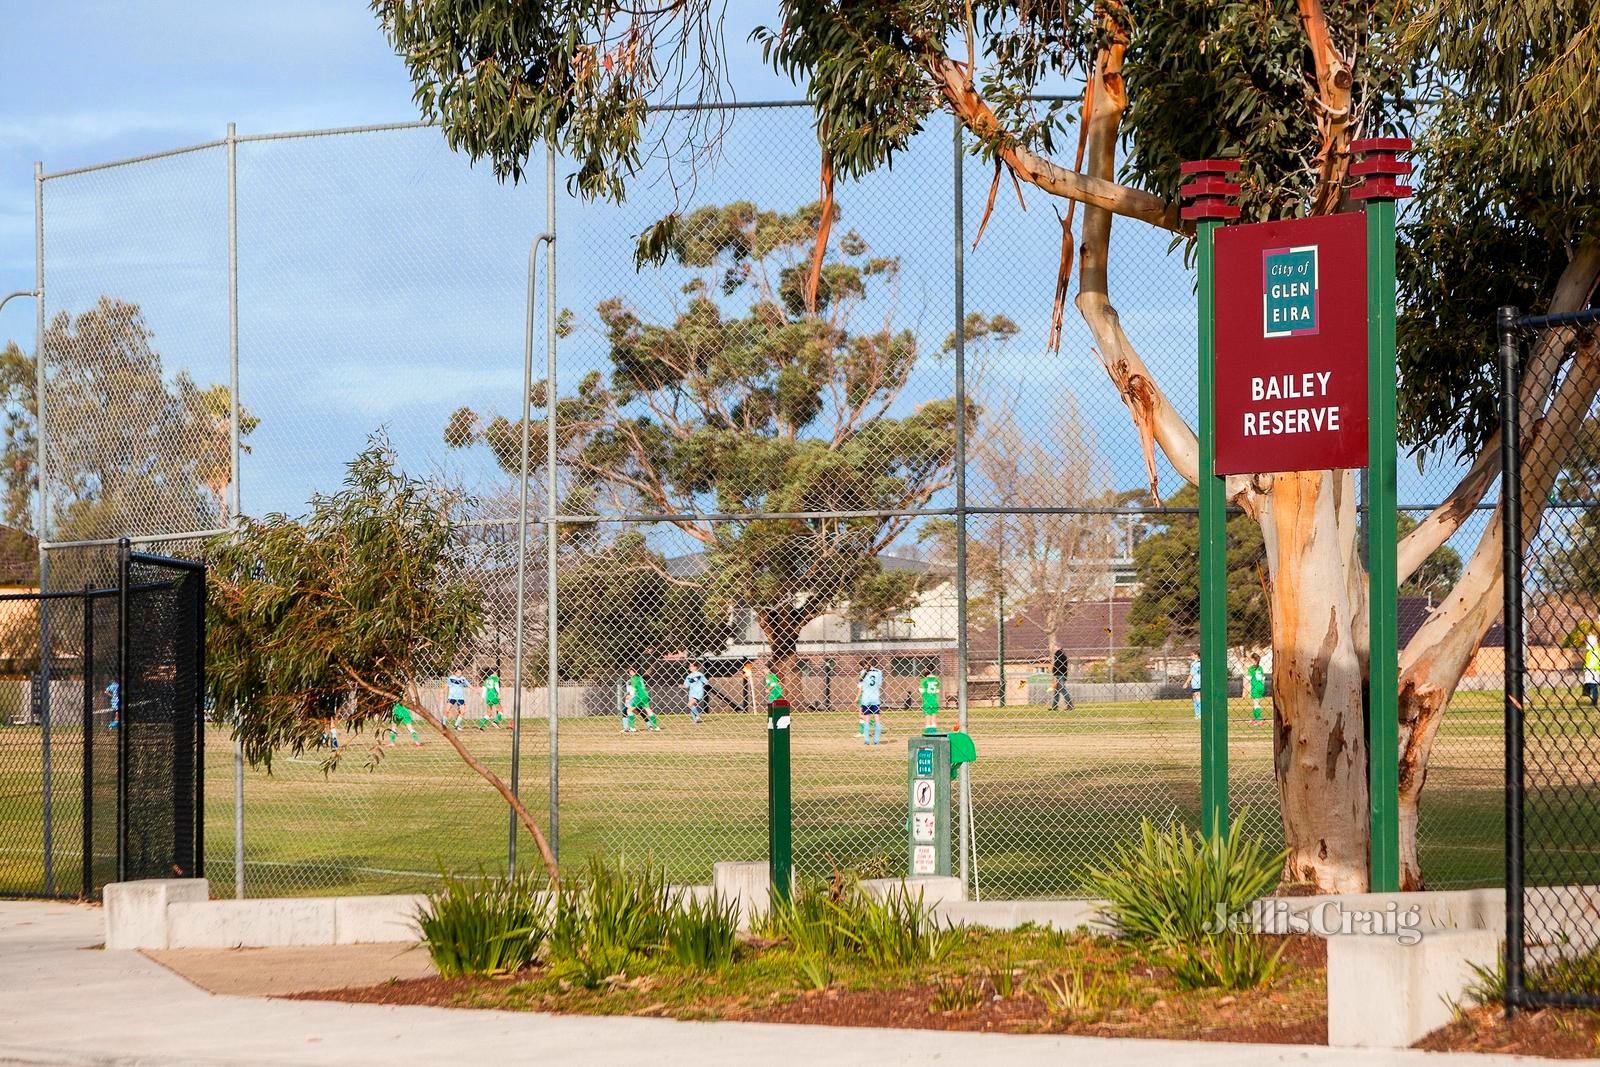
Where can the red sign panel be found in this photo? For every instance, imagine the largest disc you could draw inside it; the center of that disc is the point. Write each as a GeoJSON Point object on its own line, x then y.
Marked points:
{"type": "Point", "coordinates": [1291, 345]}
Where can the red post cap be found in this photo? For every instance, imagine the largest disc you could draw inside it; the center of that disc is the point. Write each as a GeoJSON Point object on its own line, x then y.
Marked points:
{"type": "Point", "coordinates": [1381, 144]}
{"type": "Point", "coordinates": [1209, 166]}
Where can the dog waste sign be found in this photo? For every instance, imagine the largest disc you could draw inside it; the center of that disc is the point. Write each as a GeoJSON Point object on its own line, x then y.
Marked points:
{"type": "Point", "coordinates": [1291, 345]}
{"type": "Point", "coordinates": [928, 796]}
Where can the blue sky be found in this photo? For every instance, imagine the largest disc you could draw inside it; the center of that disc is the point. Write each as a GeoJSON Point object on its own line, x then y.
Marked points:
{"type": "Point", "coordinates": [382, 278]}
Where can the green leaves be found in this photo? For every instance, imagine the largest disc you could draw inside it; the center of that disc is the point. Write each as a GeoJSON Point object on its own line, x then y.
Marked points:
{"type": "Point", "coordinates": [745, 402]}
{"type": "Point", "coordinates": [338, 612]}
{"type": "Point", "coordinates": [489, 925]}
{"type": "Point", "coordinates": [1175, 887]}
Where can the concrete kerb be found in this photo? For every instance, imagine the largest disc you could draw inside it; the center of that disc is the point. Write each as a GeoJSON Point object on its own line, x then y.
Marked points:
{"type": "Point", "coordinates": [136, 912]}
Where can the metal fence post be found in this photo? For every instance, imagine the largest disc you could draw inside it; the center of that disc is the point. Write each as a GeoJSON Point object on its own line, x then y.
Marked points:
{"type": "Point", "coordinates": [519, 643]}
{"type": "Point", "coordinates": [88, 740]}
{"type": "Point", "coordinates": [235, 498]}
{"type": "Point", "coordinates": [41, 521]}
{"type": "Point", "coordinates": [552, 677]}
{"type": "Point", "coordinates": [964, 793]}
{"type": "Point", "coordinates": [1511, 546]}
{"type": "Point", "coordinates": [123, 712]}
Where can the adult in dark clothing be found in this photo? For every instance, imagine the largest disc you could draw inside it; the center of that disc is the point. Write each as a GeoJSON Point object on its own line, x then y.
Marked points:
{"type": "Point", "coordinates": [1058, 691]}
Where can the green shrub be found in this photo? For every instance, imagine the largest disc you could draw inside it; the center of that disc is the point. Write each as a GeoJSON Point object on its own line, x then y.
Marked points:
{"type": "Point", "coordinates": [1235, 960]}
{"type": "Point", "coordinates": [703, 934]}
{"type": "Point", "coordinates": [481, 926]}
{"type": "Point", "coordinates": [1172, 886]}
{"type": "Point", "coordinates": [823, 920]}
{"type": "Point", "coordinates": [606, 922]}
{"type": "Point", "coordinates": [896, 931]}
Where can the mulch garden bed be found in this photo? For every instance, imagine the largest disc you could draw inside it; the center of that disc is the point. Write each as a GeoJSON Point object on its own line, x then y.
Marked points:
{"type": "Point", "coordinates": [1291, 1010]}
{"type": "Point", "coordinates": [1560, 1033]}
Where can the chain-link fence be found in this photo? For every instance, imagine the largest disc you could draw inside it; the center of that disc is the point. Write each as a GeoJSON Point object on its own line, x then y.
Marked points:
{"type": "Point", "coordinates": [100, 730]}
{"type": "Point", "coordinates": [1551, 455]}
{"type": "Point", "coordinates": [906, 480]}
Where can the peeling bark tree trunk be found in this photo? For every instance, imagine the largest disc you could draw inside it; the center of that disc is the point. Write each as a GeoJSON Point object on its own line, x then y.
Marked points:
{"type": "Point", "coordinates": [1319, 646]}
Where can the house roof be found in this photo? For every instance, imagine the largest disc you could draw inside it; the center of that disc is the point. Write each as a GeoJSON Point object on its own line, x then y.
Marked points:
{"type": "Point", "coordinates": [1413, 611]}
{"type": "Point", "coordinates": [1081, 629]}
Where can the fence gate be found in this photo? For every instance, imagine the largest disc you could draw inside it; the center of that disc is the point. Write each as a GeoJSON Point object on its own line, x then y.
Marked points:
{"type": "Point", "coordinates": [101, 730]}
{"type": "Point", "coordinates": [1550, 456]}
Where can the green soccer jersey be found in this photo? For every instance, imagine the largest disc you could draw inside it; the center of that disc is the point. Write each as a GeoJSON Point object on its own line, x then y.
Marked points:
{"type": "Point", "coordinates": [402, 714]}
{"type": "Point", "coordinates": [491, 690]}
{"type": "Point", "coordinates": [640, 697]}
{"type": "Point", "coordinates": [774, 688]}
{"type": "Point", "coordinates": [1258, 681]}
{"type": "Point", "coordinates": [930, 694]}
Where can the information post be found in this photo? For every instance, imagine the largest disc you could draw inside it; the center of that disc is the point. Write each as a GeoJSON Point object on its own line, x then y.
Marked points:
{"type": "Point", "coordinates": [1297, 373]}
{"type": "Point", "coordinates": [928, 794]}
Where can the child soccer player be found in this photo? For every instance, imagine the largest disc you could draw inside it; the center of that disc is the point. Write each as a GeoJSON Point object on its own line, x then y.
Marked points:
{"type": "Point", "coordinates": [491, 701]}
{"type": "Point", "coordinates": [114, 691]}
{"type": "Point", "coordinates": [455, 699]}
{"type": "Point", "coordinates": [871, 685]}
{"type": "Point", "coordinates": [695, 684]}
{"type": "Point", "coordinates": [930, 703]}
{"type": "Point", "coordinates": [638, 700]}
{"type": "Point", "coordinates": [1258, 688]}
{"type": "Point", "coordinates": [1194, 684]}
{"type": "Point", "coordinates": [402, 717]}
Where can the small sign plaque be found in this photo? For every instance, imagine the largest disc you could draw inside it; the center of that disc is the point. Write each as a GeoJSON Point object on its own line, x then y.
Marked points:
{"type": "Point", "coordinates": [922, 793]}
{"type": "Point", "coordinates": [922, 826]}
{"type": "Point", "coordinates": [924, 859]}
{"type": "Point", "coordinates": [924, 763]}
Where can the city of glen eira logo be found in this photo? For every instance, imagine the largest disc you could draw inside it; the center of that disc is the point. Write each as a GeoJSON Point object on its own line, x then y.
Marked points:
{"type": "Point", "coordinates": [1289, 299]}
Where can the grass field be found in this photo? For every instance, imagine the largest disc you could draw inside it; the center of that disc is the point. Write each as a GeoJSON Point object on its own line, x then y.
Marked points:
{"type": "Point", "coordinates": [1051, 794]}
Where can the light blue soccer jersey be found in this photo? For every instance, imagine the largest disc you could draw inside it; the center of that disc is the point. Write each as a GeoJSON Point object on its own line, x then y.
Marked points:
{"type": "Point", "coordinates": [114, 691]}
{"type": "Point", "coordinates": [458, 687]}
{"type": "Point", "coordinates": [1194, 674]}
{"type": "Point", "coordinates": [695, 683]}
{"type": "Point", "coordinates": [871, 688]}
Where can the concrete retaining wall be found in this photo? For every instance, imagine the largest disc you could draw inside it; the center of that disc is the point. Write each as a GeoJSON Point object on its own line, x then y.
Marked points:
{"type": "Point", "coordinates": [176, 913]}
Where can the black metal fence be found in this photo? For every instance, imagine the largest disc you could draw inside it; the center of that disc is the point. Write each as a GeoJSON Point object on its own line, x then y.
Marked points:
{"type": "Point", "coordinates": [101, 730]}
{"type": "Point", "coordinates": [1550, 453]}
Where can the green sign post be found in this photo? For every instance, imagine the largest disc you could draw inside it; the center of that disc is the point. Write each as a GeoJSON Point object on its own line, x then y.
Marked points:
{"type": "Point", "coordinates": [928, 794]}
{"type": "Point", "coordinates": [780, 815]}
{"type": "Point", "coordinates": [1380, 169]}
{"type": "Point", "coordinates": [1210, 188]}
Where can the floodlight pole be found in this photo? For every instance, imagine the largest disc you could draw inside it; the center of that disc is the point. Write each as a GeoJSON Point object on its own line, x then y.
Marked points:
{"type": "Point", "coordinates": [1207, 196]}
{"type": "Point", "coordinates": [1381, 170]}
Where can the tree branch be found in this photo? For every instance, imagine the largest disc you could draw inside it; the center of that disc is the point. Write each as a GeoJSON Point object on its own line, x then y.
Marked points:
{"type": "Point", "coordinates": [1572, 291]}
{"type": "Point", "coordinates": [493, 779]}
{"type": "Point", "coordinates": [1158, 421]}
{"type": "Point", "coordinates": [1333, 94]}
{"type": "Point", "coordinates": [1091, 190]}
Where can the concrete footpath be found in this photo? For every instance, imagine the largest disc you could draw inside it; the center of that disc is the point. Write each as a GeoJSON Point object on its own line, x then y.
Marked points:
{"type": "Point", "coordinates": [65, 1001]}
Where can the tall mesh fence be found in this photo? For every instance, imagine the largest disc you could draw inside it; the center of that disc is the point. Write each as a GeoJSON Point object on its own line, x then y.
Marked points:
{"type": "Point", "coordinates": [743, 486]}
{"type": "Point", "coordinates": [1553, 698]}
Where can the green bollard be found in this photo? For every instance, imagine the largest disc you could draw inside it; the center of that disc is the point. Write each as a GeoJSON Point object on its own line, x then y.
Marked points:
{"type": "Point", "coordinates": [780, 817]}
